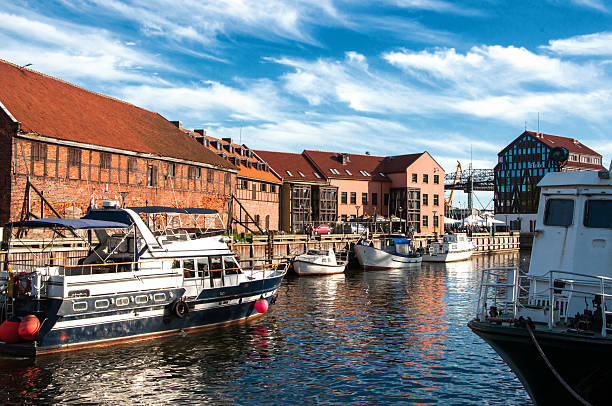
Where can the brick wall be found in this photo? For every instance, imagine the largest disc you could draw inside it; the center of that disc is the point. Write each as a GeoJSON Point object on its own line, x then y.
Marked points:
{"type": "Point", "coordinates": [7, 129]}
{"type": "Point", "coordinates": [69, 180]}
{"type": "Point", "coordinates": [261, 200]}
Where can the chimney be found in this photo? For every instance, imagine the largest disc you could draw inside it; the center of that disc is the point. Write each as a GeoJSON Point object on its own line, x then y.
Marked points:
{"type": "Point", "coordinates": [177, 124]}
{"type": "Point", "coordinates": [576, 142]}
{"type": "Point", "coordinates": [344, 158]}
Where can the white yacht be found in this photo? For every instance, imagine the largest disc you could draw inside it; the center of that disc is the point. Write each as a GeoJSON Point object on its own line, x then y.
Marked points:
{"type": "Point", "coordinates": [130, 284]}
{"type": "Point", "coordinates": [318, 262]}
{"type": "Point", "coordinates": [394, 253]}
{"type": "Point", "coordinates": [454, 247]}
{"type": "Point", "coordinates": [553, 324]}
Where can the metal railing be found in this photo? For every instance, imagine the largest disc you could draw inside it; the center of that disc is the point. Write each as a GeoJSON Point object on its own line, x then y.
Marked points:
{"type": "Point", "coordinates": [509, 290]}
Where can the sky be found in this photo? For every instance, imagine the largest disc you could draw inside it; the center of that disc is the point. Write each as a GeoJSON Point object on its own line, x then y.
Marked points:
{"type": "Point", "coordinates": [459, 79]}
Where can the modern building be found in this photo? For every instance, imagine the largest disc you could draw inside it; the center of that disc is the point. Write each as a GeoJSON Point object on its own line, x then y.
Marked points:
{"type": "Point", "coordinates": [522, 164]}
{"type": "Point", "coordinates": [306, 196]}
{"type": "Point", "coordinates": [74, 146]}
{"type": "Point", "coordinates": [258, 187]}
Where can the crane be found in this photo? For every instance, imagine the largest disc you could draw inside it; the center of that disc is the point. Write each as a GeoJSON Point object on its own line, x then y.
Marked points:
{"type": "Point", "coordinates": [448, 204]}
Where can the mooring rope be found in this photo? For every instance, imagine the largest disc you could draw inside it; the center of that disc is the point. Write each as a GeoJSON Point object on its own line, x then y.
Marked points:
{"type": "Point", "coordinates": [552, 369]}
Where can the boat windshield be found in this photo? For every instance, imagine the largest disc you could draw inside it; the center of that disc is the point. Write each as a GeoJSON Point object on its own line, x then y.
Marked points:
{"type": "Point", "coordinates": [316, 252]}
{"type": "Point", "coordinates": [559, 212]}
{"type": "Point", "coordinates": [402, 249]}
{"type": "Point", "coordinates": [598, 214]}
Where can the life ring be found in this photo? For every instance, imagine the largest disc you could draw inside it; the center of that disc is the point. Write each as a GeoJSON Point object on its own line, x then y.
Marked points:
{"type": "Point", "coordinates": [21, 287]}
{"type": "Point", "coordinates": [180, 309]}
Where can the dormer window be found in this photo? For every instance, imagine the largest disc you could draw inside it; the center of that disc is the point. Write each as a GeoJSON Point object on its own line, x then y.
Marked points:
{"type": "Point", "coordinates": [334, 171]}
{"type": "Point", "coordinates": [301, 174]}
{"type": "Point", "coordinates": [289, 173]}
{"type": "Point", "coordinates": [316, 174]}
{"type": "Point", "coordinates": [364, 173]}
{"type": "Point", "coordinates": [381, 174]}
{"type": "Point", "coordinates": [348, 172]}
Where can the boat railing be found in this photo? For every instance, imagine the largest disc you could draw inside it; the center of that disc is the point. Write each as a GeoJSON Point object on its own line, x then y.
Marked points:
{"type": "Point", "coordinates": [509, 290]}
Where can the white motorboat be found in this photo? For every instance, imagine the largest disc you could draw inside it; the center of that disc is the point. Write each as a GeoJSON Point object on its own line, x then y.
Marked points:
{"type": "Point", "coordinates": [128, 284]}
{"type": "Point", "coordinates": [553, 324]}
{"type": "Point", "coordinates": [394, 253]}
{"type": "Point", "coordinates": [318, 262]}
{"type": "Point", "coordinates": [454, 247]}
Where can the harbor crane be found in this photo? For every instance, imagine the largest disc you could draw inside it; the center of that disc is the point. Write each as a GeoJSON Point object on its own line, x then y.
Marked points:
{"type": "Point", "coordinates": [468, 181]}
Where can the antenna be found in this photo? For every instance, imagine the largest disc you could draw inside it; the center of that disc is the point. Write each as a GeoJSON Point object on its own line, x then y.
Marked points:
{"type": "Point", "coordinates": [538, 122]}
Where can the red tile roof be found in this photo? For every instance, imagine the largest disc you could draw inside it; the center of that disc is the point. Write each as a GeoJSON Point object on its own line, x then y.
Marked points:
{"type": "Point", "coordinates": [246, 171]}
{"type": "Point", "coordinates": [296, 164]}
{"type": "Point", "coordinates": [360, 167]}
{"type": "Point", "coordinates": [53, 108]}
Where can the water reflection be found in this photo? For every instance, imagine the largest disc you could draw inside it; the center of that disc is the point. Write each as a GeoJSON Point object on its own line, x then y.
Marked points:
{"type": "Point", "coordinates": [395, 336]}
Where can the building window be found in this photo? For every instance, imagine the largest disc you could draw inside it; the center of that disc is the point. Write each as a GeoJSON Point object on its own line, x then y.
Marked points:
{"type": "Point", "coordinates": [39, 151]}
{"type": "Point", "coordinates": [228, 178]}
{"type": "Point", "coordinates": [74, 157]}
{"type": "Point", "coordinates": [273, 188]}
{"type": "Point", "coordinates": [436, 200]}
{"type": "Point", "coordinates": [343, 198]}
{"type": "Point", "coordinates": [364, 198]}
{"type": "Point", "coordinates": [386, 199]}
{"type": "Point", "coordinates": [194, 172]}
{"type": "Point", "coordinates": [414, 178]}
{"type": "Point", "coordinates": [210, 175]}
{"type": "Point", "coordinates": [375, 198]}
{"type": "Point", "coordinates": [353, 198]}
{"type": "Point", "coordinates": [132, 165]}
{"type": "Point", "coordinates": [152, 175]}
{"type": "Point", "coordinates": [425, 199]}
{"type": "Point", "coordinates": [105, 160]}
{"type": "Point", "coordinates": [171, 170]}
{"type": "Point", "coordinates": [437, 179]}
{"type": "Point", "coordinates": [425, 221]}
{"type": "Point", "coordinates": [244, 184]}
{"type": "Point", "coordinates": [264, 187]}
{"type": "Point", "coordinates": [257, 219]}
{"type": "Point", "coordinates": [316, 174]}
{"type": "Point", "coordinates": [435, 221]}
{"type": "Point", "coordinates": [425, 178]}
{"type": "Point", "coordinates": [344, 217]}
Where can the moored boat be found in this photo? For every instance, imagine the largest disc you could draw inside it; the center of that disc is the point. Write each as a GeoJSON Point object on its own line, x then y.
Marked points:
{"type": "Point", "coordinates": [553, 324]}
{"type": "Point", "coordinates": [132, 284]}
{"type": "Point", "coordinates": [394, 253]}
{"type": "Point", "coordinates": [454, 247]}
{"type": "Point", "coordinates": [318, 262]}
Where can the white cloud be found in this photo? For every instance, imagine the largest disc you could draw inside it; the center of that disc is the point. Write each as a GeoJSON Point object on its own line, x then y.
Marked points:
{"type": "Point", "coordinates": [72, 51]}
{"type": "Point", "coordinates": [594, 4]}
{"type": "Point", "coordinates": [440, 6]}
{"type": "Point", "coordinates": [597, 44]}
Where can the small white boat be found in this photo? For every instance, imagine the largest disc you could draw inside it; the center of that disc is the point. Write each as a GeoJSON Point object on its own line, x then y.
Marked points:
{"type": "Point", "coordinates": [394, 253]}
{"type": "Point", "coordinates": [454, 247]}
{"type": "Point", "coordinates": [318, 262]}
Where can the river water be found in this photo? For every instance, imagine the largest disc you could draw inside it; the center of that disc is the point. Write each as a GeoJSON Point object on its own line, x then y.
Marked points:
{"type": "Point", "coordinates": [375, 337]}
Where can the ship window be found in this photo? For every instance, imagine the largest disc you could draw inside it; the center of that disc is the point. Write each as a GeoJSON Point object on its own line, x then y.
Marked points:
{"type": "Point", "coordinates": [188, 268]}
{"type": "Point", "coordinates": [159, 297]}
{"type": "Point", "coordinates": [141, 299]}
{"type": "Point", "coordinates": [122, 301]}
{"type": "Point", "coordinates": [202, 267]}
{"type": "Point", "coordinates": [101, 304]}
{"type": "Point", "coordinates": [79, 306]}
{"type": "Point", "coordinates": [559, 212]}
{"type": "Point", "coordinates": [215, 264]}
{"type": "Point", "coordinates": [598, 214]}
{"type": "Point", "coordinates": [231, 267]}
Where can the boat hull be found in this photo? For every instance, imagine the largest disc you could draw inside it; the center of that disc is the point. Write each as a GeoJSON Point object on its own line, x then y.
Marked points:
{"type": "Point", "coordinates": [224, 306]}
{"type": "Point", "coordinates": [583, 361]}
{"type": "Point", "coordinates": [448, 257]}
{"type": "Point", "coordinates": [310, 268]}
{"type": "Point", "coordinates": [373, 258]}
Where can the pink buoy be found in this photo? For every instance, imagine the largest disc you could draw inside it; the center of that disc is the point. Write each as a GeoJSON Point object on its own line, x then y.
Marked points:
{"type": "Point", "coordinates": [9, 332]}
{"type": "Point", "coordinates": [28, 327]}
{"type": "Point", "coordinates": [261, 305]}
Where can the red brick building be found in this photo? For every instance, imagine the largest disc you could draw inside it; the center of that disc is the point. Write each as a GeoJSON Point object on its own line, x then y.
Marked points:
{"type": "Point", "coordinates": [258, 187]}
{"type": "Point", "coordinates": [75, 145]}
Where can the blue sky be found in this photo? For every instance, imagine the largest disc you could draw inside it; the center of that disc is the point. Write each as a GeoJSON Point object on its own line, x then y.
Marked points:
{"type": "Point", "coordinates": [385, 76]}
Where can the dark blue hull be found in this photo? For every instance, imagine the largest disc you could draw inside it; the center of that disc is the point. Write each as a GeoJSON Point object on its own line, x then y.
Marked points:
{"type": "Point", "coordinates": [213, 307]}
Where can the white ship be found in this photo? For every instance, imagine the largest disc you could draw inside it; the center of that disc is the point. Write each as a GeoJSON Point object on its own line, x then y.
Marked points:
{"type": "Point", "coordinates": [131, 284]}
{"type": "Point", "coordinates": [454, 247]}
{"type": "Point", "coordinates": [318, 262]}
{"type": "Point", "coordinates": [394, 253]}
